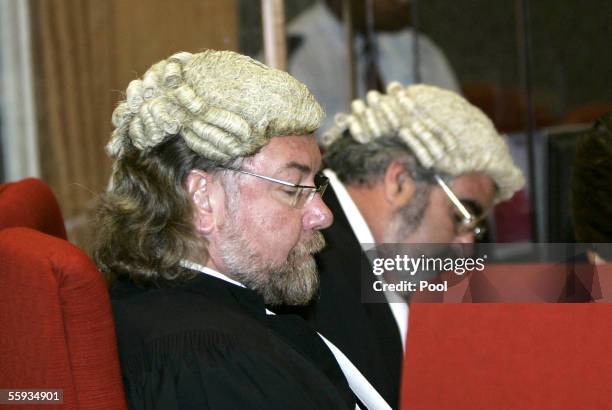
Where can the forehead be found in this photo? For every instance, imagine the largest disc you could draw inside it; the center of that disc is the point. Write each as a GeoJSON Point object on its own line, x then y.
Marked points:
{"type": "Point", "coordinates": [281, 151]}
{"type": "Point", "coordinates": [475, 186]}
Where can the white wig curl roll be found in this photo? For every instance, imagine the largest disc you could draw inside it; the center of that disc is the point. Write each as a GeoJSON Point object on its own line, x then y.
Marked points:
{"type": "Point", "coordinates": [442, 130]}
{"type": "Point", "coordinates": [223, 104]}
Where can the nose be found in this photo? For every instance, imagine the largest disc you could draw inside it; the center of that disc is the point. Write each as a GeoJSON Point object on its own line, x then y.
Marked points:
{"type": "Point", "coordinates": [317, 215]}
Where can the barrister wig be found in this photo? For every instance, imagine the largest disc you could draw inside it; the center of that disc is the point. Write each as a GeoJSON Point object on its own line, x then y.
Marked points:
{"type": "Point", "coordinates": [440, 128]}
{"type": "Point", "coordinates": [202, 111]}
{"type": "Point", "coordinates": [224, 105]}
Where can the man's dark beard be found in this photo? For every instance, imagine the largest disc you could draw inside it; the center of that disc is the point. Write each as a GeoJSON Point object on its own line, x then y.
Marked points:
{"type": "Point", "coordinates": [408, 218]}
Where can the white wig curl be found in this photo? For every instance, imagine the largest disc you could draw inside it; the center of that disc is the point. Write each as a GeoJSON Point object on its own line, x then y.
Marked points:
{"type": "Point", "coordinates": [442, 130]}
{"type": "Point", "coordinates": [224, 105]}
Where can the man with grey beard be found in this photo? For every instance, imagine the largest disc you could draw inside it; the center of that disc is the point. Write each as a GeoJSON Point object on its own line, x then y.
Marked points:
{"type": "Point", "coordinates": [415, 165]}
{"type": "Point", "coordinates": [292, 281]}
{"type": "Point", "coordinates": [213, 212]}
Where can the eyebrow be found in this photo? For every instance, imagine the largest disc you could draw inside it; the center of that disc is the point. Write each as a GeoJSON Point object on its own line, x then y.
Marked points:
{"type": "Point", "coordinates": [304, 169]}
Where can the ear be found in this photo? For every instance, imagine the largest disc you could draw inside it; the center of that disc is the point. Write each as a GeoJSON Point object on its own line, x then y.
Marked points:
{"type": "Point", "coordinates": [398, 185]}
{"type": "Point", "coordinates": [198, 191]}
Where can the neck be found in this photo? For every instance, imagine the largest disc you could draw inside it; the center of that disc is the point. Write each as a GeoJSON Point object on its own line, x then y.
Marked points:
{"type": "Point", "coordinates": [212, 259]}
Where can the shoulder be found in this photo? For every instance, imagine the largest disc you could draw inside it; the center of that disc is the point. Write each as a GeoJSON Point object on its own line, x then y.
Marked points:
{"type": "Point", "coordinates": [148, 314]}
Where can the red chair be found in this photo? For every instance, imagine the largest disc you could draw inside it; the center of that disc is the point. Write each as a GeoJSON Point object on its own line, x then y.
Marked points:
{"type": "Point", "coordinates": [31, 203]}
{"type": "Point", "coordinates": [508, 356]}
{"type": "Point", "coordinates": [57, 326]}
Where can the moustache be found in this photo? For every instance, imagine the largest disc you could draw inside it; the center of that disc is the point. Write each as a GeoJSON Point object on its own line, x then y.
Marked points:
{"type": "Point", "coordinates": [310, 247]}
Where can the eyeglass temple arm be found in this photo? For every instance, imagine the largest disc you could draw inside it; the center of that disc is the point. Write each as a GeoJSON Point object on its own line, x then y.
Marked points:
{"type": "Point", "coordinates": [466, 215]}
{"type": "Point", "coordinates": [319, 189]}
{"type": "Point", "coordinates": [278, 181]}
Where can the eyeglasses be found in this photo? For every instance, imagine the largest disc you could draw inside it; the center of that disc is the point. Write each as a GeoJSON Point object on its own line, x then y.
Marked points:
{"type": "Point", "coordinates": [297, 195]}
{"type": "Point", "coordinates": [465, 221]}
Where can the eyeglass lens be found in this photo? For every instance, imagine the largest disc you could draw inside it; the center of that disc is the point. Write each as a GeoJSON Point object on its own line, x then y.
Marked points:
{"type": "Point", "coordinates": [304, 195]}
{"type": "Point", "coordinates": [477, 225]}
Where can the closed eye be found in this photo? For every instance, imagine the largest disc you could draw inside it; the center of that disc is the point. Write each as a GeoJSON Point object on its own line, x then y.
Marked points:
{"type": "Point", "coordinates": [289, 190]}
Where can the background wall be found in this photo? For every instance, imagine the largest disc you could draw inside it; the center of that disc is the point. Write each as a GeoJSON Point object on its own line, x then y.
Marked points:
{"type": "Point", "coordinates": [85, 52]}
{"type": "Point", "coordinates": [572, 63]}
{"type": "Point", "coordinates": [571, 40]}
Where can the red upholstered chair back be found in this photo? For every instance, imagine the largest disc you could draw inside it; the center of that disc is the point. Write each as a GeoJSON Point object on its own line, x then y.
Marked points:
{"type": "Point", "coordinates": [510, 356]}
{"type": "Point", "coordinates": [30, 203]}
{"type": "Point", "coordinates": [57, 327]}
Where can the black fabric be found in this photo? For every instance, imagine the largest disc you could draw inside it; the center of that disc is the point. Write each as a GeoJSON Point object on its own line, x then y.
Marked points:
{"type": "Point", "coordinates": [365, 332]}
{"type": "Point", "coordinates": [208, 344]}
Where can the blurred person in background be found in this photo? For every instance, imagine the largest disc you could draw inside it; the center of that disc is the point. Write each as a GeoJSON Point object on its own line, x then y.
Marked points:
{"type": "Point", "coordinates": [317, 53]}
{"type": "Point", "coordinates": [417, 164]}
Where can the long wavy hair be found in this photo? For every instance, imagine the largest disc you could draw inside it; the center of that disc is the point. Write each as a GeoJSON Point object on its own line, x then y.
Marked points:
{"type": "Point", "coordinates": [144, 221]}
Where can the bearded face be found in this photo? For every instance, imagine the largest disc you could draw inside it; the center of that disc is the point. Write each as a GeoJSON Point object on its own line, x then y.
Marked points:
{"type": "Point", "coordinates": [256, 232]}
{"type": "Point", "coordinates": [292, 282]}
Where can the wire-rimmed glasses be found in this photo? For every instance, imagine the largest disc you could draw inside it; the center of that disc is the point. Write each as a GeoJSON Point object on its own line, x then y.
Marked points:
{"type": "Point", "coordinates": [299, 195]}
{"type": "Point", "coordinates": [465, 221]}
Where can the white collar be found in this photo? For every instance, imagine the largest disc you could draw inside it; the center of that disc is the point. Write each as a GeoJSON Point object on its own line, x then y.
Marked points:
{"type": "Point", "coordinates": [208, 271]}
{"type": "Point", "coordinates": [355, 218]}
{"type": "Point", "coordinates": [211, 272]}
{"type": "Point", "coordinates": [360, 228]}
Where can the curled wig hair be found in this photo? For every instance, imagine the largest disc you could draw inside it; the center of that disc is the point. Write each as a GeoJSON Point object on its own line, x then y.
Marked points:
{"type": "Point", "coordinates": [190, 111]}
{"type": "Point", "coordinates": [442, 130]}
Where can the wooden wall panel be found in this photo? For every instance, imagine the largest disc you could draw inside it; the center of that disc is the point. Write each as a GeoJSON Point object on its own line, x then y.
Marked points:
{"type": "Point", "coordinates": [85, 52]}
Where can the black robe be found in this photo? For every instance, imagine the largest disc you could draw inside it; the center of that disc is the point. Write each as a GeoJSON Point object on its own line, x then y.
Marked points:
{"type": "Point", "coordinates": [208, 344]}
{"type": "Point", "coordinates": [365, 332]}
